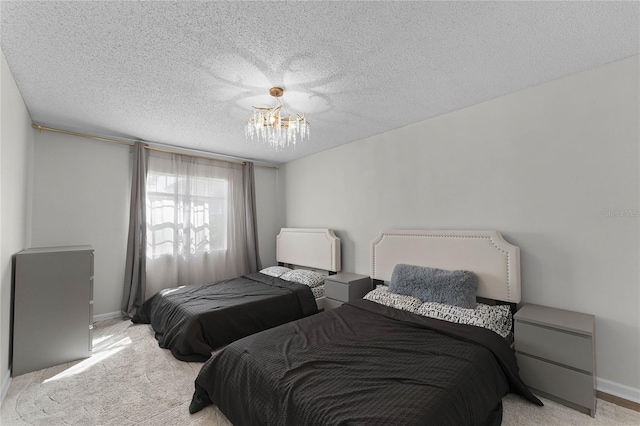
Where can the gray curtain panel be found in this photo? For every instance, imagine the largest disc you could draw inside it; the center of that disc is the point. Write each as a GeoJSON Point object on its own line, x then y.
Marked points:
{"type": "Point", "coordinates": [253, 254]}
{"type": "Point", "coordinates": [135, 271]}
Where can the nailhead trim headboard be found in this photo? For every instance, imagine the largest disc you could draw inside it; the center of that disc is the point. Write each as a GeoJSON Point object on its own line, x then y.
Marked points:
{"type": "Point", "coordinates": [495, 261]}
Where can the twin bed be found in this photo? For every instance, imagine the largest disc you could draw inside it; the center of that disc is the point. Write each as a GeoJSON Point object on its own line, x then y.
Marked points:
{"type": "Point", "coordinates": [389, 358]}
{"type": "Point", "coordinates": [192, 321]}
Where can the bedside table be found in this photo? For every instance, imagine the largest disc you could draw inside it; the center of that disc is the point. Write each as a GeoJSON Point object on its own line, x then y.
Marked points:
{"type": "Point", "coordinates": [556, 355]}
{"type": "Point", "coordinates": [344, 287]}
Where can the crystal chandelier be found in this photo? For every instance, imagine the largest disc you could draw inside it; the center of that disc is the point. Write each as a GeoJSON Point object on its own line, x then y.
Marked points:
{"type": "Point", "coordinates": [275, 126]}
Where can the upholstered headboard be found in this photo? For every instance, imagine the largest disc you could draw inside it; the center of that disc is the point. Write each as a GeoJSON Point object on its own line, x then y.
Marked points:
{"type": "Point", "coordinates": [494, 260]}
{"type": "Point", "coordinates": [317, 248]}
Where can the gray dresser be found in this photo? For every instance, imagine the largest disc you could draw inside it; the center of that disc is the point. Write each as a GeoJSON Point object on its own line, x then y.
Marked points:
{"type": "Point", "coordinates": [344, 287]}
{"type": "Point", "coordinates": [52, 307]}
{"type": "Point", "coordinates": [556, 355]}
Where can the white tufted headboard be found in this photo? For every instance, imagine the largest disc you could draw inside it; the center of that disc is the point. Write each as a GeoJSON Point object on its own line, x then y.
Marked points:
{"type": "Point", "coordinates": [494, 260]}
{"type": "Point", "coordinates": [317, 248]}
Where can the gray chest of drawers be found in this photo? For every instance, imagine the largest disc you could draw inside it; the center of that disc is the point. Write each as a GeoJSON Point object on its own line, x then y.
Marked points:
{"type": "Point", "coordinates": [52, 307]}
{"type": "Point", "coordinates": [344, 287]}
{"type": "Point", "coordinates": [556, 355]}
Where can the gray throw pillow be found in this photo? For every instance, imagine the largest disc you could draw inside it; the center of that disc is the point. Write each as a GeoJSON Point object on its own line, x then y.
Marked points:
{"type": "Point", "coordinates": [457, 288]}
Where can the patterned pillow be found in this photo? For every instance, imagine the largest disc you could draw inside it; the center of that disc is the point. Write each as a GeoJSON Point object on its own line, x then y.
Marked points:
{"type": "Point", "coordinates": [495, 318]}
{"type": "Point", "coordinates": [275, 271]}
{"type": "Point", "coordinates": [302, 276]}
{"type": "Point", "coordinates": [318, 292]}
{"type": "Point", "coordinates": [382, 296]}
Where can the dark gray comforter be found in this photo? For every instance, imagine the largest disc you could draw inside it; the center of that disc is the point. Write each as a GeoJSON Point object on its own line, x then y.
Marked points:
{"type": "Point", "coordinates": [365, 364]}
{"type": "Point", "coordinates": [191, 321]}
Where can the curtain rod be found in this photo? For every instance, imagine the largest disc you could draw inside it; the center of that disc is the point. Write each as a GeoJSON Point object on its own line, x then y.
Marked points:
{"type": "Point", "coordinates": [169, 149]}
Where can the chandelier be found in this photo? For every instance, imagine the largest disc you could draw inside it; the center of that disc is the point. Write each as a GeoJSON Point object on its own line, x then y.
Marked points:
{"type": "Point", "coordinates": [275, 126]}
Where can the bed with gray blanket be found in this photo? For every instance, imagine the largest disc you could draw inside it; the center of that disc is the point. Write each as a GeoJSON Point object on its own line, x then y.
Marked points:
{"type": "Point", "coordinates": [192, 321]}
{"type": "Point", "coordinates": [363, 364]}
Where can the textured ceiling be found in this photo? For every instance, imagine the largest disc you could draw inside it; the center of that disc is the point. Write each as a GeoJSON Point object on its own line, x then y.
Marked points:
{"type": "Point", "coordinates": [187, 73]}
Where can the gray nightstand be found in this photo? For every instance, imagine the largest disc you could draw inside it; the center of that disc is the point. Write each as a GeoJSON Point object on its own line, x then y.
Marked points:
{"type": "Point", "coordinates": [344, 287]}
{"type": "Point", "coordinates": [556, 355]}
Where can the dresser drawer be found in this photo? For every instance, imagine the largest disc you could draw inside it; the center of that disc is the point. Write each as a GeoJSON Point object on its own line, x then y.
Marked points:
{"type": "Point", "coordinates": [558, 346]}
{"type": "Point", "coordinates": [336, 290]}
{"type": "Point", "coordinates": [569, 385]}
{"type": "Point", "coordinates": [346, 287]}
{"type": "Point", "coordinates": [330, 304]}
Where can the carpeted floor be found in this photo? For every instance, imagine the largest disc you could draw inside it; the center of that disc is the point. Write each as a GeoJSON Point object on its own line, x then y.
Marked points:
{"type": "Point", "coordinates": [129, 380]}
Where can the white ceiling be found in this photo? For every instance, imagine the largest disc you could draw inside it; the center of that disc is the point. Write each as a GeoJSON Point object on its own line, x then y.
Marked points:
{"type": "Point", "coordinates": [187, 73]}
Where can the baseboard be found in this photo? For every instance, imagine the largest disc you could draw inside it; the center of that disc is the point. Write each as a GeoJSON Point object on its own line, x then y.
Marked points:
{"type": "Point", "coordinates": [618, 401]}
{"type": "Point", "coordinates": [4, 385]}
{"type": "Point", "coordinates": [108, 315]}
{"type": "Point", "coordinates": [619, 392]}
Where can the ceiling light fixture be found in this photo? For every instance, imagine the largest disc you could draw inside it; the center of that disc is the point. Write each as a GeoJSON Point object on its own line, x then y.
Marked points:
{"type": "Point", "coordinates": [275, 126]}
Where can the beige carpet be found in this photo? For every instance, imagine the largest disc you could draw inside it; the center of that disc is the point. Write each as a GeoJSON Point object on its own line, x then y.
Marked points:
{"type": "Point", "coordinates": [129, 380]}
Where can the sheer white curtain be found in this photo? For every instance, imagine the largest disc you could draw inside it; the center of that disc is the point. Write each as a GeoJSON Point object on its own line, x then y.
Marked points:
{"type": "Point", "coordinates": [197, 217]}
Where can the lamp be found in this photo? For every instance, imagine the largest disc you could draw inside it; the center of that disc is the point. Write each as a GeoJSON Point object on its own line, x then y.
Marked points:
{"type": "Point", "coordinates": [275, 126]}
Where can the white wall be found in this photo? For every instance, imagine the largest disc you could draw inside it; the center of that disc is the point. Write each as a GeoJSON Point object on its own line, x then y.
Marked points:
{"type": "Point", "coordinates": [547, 166]}
{"type": "Point", "coordinates": [81, 196]}
{"type": "Point", "coordinates": [16, 148]}
{"type": "Point", "coordinates": [269, 219]}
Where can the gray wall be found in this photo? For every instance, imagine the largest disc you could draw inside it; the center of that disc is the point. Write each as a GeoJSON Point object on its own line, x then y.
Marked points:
{"type": "Point", "coordinates": [555, 168]}
{"type": "Point", "coordinates": [16, 150]}
{"type": "Point", "coordinates": [81, 196]}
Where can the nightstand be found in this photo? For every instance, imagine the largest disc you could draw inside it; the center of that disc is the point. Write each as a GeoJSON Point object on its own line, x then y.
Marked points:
{"type": "Point", "coordinates": [344, 287]}
{"type": "Point", "coordinates": [556, 355]}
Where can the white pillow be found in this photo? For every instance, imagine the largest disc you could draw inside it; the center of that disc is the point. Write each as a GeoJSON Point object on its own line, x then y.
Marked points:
{"type": "Point", "coordinates": [382, 296]}
{"type": "Point", "coordinates": [496, 318]}
{"type": "Point", "coordinates": [275, 271]}
{"type": "Point", "coordinates": [302, 276]}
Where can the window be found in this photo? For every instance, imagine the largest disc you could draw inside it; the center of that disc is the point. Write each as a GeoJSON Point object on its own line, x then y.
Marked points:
{"type": "Point", "coordinates": [195, 223]}
{"type": "Point", "coordinates": [186, 215]}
